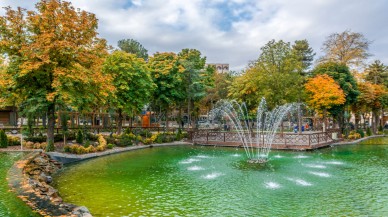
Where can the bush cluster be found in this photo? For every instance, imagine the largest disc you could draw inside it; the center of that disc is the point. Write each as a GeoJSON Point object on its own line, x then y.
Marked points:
{"type": "Point", "coordinates": [35, 145]}
{"type": "Point", "coordinates": [368, 131]}
{"type": "Point", "coordinates": [361, 132]}
{"type": "Point", "coordinates": [80, 149]}
{"type": "Point", "coordinates": [126, 139]}
{"type": "Point", "coordinates": [3, 139]}
{"type": "Point", "coordinates": [13, 140]}
{"type": "Point", "coordinates": [354, 135]}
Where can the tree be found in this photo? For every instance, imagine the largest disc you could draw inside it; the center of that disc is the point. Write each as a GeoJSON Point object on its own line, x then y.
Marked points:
{"type": "Point", "coordinates": [323, 93]}
{"type": "Point", "coordinates": [347, 48]}
{"type": "Point", "coordinates": [168, 77]}
{"type": "Point", "coordinates": [197, 77]}
{"type": "Point", "coordinates": [377, 73]}
{"type": "Point", "coordinates": [134, 47]}
{"type": "Point", "coordinates": [54, 58]}
{"type": "Point", "coordinates": [275, 75]}
{"type": "Point", "coordinates": [132, 82]}
{"type": "Point", "coordinates": [222, 82]}
{"type": "Point", "coordinates": [341, 74]}
{"type": "Point", "coordinates": [304, 53]}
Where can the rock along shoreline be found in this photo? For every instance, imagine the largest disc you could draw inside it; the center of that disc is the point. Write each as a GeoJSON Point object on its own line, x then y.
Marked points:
{"type": "Point", "coordinates": [31, 176]}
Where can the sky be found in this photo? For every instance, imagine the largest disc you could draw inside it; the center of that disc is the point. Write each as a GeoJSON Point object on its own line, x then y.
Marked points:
{"type": "Point", "coordinates": [233, 31]}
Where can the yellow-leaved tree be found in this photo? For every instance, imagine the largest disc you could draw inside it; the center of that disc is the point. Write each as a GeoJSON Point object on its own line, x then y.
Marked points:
{"type": "Point", "coordinates": [323, 92]}
{"type": "Point", "coordinates": [54, 58]}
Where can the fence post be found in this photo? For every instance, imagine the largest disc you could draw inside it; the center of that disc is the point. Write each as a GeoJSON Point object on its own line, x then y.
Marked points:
{"type": "Point", "coordinates": [224, 136]}
{"type": "Point", "coordinates": [310, 140]}
{"type": "Point", "coordinates": [207, 137]}
{"type": "Point", "coordinates": [318, 138]}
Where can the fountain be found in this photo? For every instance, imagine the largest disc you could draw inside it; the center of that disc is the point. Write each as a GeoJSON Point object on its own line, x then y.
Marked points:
{"type": "Point", "coordinates": [257, 145]}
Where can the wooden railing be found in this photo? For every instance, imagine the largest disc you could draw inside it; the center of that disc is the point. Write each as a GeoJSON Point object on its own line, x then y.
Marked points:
{"type": "Point", "coordinates": [307, 139]}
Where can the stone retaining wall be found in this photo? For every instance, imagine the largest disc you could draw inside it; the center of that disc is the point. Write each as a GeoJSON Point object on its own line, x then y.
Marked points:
{"type": "Point", "coordinates": [30, 179]}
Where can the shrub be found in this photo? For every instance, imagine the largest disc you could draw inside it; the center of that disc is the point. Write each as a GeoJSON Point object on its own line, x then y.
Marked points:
{"type": "Point", "coordinates": [50, 146]}
{"type": "Point", "coordinates": [35, 139]}
{"type": "Point", "coordinates": [127, 130]}
{"type": "Point", "coordinates": [3, 139]}
{"type": "Point", "coordinates": [381, 128]}
{"type": "Point", "coordinates": [122, 140]}
{"type": "Point", "coordinates": [67, 148]}
{"type": "Point", "coordinates": [110, 146]}
{"type": "Point", "coordinates": [87, 144]}
{"type": "Point", "coordinates": [38, 145]}
{"type": "Point", "coordinates": [145, 133]}
{"type": "Point", "coordinates": [361, 132]}
{"type": "Point", "coordinates": [80, 137]}
{"type": "Point", "coordinates": [179, 135]}
{"type": "Point", "coordinates": [101, 140]}
{"type": "Point", "coordinates": [368, 131]}
{"type": "Point", "coordinates": [13, 141]}
{"type": "Point", "coordinates": [28, 144]}
{"type": "Point", "coordinates": [354, 135]}
{"type": "Point", "coordinates": [91, 136]}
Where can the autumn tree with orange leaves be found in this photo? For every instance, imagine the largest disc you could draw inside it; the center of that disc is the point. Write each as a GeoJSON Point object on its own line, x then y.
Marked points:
{"type": "Point", "coordinates": [323, 93]}
{"type": "Point", "coordinates": [54, 59]}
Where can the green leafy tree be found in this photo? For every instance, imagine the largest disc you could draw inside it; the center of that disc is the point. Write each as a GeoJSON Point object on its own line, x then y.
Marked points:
{"type": "Point", "coordinates": [168, 77]}
{"type": "Point", "coordinates": [54, 56]}
{"type": "Point", "coordinates": [219, 90]}
{"type": "Point", "coordinates": [132, 82]}
{"type": "Point", "coordinates": [134, 47]}
{"type": "Point", "coordinates": [197, 77]}
{"type": "Point", "coordinates": [303, 53]}
{"type": "Point", "coordinates": [275, 75]}
{"type": "Point", "coordinates": [377, 73]}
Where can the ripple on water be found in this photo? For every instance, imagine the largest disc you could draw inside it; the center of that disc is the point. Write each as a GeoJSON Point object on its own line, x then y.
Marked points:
{"type": "Point", "coordinates": [272, 185]}
{"type": "Point", "coordinates": [317, 166]}
{"type": "Point", "coordinates": [335, 162]}
{"type": "Point", "coordinates": [301, 156]}
{"type": "Point", "coordinates": [278, 156]}
{"type": "Point", "coordinates": [202, 156]}
{"type": "Point", "coordinates": [212, 175]}
{"type": "Point", "coordinates": [189, 161]}
{"type": "Point", "coordinates": [236, 155]}
{"type": "Point", "coordinates": [300, 182]}
{"type": "Point", "coordinates": [321, 174]}
{"type": "Point", "coordinates": [195, 168]}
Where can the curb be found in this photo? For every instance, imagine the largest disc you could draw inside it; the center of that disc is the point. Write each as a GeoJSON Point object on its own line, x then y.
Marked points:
{"type": "Point", "coordinates": [357, 141]}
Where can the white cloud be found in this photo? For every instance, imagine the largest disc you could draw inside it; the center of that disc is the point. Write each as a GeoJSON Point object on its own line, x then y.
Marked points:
{"type": "Point", "coordinates": [233, 31]}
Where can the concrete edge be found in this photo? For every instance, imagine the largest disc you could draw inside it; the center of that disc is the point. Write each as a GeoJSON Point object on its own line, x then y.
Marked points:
{"type": "Point", "coordinates": [65, 158]}
{"type": "Point", "coordinates": [357, 141]}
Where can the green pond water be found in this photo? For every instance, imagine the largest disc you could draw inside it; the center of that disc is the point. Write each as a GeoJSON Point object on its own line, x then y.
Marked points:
{"type": "Point", "coordinates": [10, 205]}
{"type": "Point", "coordinates": [349, 180]}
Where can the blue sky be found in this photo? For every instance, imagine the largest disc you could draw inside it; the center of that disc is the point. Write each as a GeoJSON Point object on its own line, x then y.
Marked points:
{"type": "Point", "coordinates": [233, 31]}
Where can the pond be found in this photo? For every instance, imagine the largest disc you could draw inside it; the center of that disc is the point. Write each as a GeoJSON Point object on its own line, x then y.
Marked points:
{"type": "Point", "coordinates": [10, 205]}
{"type": "Point", "coordinates": [207, 181]}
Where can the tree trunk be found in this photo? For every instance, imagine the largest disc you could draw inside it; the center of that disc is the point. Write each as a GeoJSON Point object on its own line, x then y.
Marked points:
{"type": "Point", "coordinates": [299, 120]}
{"type": "Point", "coordinates": [356, 120]}
{"type": "Point", "coordinates": [120, 121]}
{"type": "Point", "coordinates": [167, 121]}
{"type": "Point", "coordinates": [375, 121]}
{"type": "Point", "coordinates": [51, 123]}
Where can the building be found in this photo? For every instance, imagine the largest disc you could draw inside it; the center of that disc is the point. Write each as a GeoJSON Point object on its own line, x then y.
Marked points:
{"type": "Point", "coordinates": [220, 67]}
{"type": "Point", "coordinates": [8, 116]}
